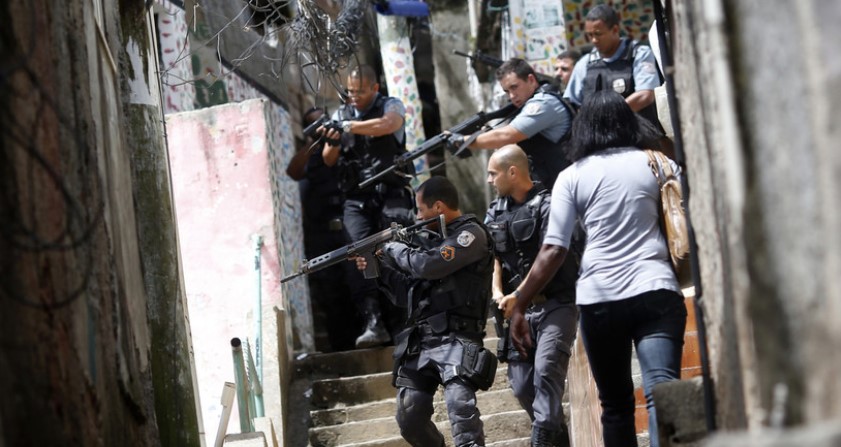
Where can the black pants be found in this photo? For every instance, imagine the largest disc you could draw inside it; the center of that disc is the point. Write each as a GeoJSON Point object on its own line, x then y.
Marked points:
{"type": "Point", "coordinates": [364, 215]}
{"type": "Point", "coordinates": [332, 311]}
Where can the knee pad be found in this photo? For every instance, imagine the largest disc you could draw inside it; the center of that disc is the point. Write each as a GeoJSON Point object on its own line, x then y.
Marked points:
{"type": "Point", "coordinates": [413, 407]}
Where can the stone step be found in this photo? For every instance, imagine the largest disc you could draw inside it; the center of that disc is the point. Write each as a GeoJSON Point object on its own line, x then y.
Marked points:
{"type": "Point", "coordinates": [345, 363]}
{"type": "Point", "coordinates": [519, 442]}
{"type": "Point", "coordinates": [346, 391]}
{"type": "Point", "coordinates": [400, 442]}
{"type": "Point", "coordinates": [360, 361]}
{"type": "Point", "coordinates": [498, 427]}
{"type": "Point", "coordinates": [489, 402]}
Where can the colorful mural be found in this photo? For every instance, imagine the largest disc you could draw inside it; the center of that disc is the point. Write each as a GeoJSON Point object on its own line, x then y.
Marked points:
{"type": "Point", "coordinates": [537, 29]}
{"type": "Point", "coordinates": [542, 29]}
{"type": "Point", "coordinates": [399, 68]}
{"type": "Point", "coordinates": [636, 18]}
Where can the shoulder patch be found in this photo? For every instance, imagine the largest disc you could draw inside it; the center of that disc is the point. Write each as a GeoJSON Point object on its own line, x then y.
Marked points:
{"type": "Point", "coordinates": [448, 252]}
{"type": "Point", "coordinates": [648, 67]}
{"type": "Point", "coordinates": [465, 238]}
{"type": "Point", "coordinates": [532, 108]}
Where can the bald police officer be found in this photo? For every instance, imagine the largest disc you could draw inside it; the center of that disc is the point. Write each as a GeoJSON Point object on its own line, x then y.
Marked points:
{"type": "Point", "coordinates": [518, 220]}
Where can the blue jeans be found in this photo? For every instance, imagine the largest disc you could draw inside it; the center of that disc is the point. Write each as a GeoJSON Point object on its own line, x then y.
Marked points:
{"type": "Point", "coordinates": [654, 322]}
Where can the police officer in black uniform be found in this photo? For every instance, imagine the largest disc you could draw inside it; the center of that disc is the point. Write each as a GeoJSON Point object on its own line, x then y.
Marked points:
{"type": "Point", "coordinates": [540, 127]}
{"type": "Point", "coordinates": [444, 281]}
{"type": "Point", "coordinates": [322, 223]}
{"type": "Point", "coordinates": [517, 220]}
{"type": "Point", "coordinates": [372, 135]}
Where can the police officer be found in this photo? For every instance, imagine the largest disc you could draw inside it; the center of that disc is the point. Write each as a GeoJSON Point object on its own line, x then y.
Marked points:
{"type": "Point", "coordinates": [517, 221]}
{"type": "Point", "coordinates": [540, 126]}
{"type": "Point", "coordinates": [373, 134]}
{"type": "Point", "coordinates": [322, 223]}
{"type": "Point", "coordinates": [615, 63]}
{"type": "Point", "coordinates": [444, 281]}
{"type": "Point", "coordinates": [564, 64]}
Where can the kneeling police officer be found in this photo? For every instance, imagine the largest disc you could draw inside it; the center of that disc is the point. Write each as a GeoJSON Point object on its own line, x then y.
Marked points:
{"type": "Point", "coordinates": [444, 281]}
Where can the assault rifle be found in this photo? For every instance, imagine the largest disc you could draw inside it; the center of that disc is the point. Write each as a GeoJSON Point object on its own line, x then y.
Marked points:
{"type": "Point", "coordinates": [365, 248]}
{"type": "Point", "coordinates": [467, 126]}
{"type": "Point", "coordinates": [495, 63]}
{"type": "Point", "coordinates": [312, 130]}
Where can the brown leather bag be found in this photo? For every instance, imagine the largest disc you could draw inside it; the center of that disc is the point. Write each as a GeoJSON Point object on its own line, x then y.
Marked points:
{"type": "Point", "coordinates": [672, 214]}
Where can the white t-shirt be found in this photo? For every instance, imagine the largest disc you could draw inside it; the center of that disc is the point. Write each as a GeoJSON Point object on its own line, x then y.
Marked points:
{"type": "Point", "coordinates": [616, 197]}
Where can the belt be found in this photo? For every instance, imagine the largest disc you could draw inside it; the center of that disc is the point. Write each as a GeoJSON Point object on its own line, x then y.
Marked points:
{"type": "Point", "coordinates": [454, 324]}
{"type": "Point", "coordinates": [538, 300]}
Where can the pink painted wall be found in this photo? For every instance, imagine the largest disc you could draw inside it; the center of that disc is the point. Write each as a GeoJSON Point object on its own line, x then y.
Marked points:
{"type": "Point", "coordinates": [222, 183]}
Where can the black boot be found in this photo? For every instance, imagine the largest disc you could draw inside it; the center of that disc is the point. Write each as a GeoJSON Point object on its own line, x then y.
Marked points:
{"type": "Point", "coordinates": [541, 437]}
{"type": "Point", "coordinates": [375, 333]}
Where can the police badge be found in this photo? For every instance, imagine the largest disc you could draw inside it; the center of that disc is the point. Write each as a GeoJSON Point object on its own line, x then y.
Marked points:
{"type": "Point", "coordinates": [465, 238]}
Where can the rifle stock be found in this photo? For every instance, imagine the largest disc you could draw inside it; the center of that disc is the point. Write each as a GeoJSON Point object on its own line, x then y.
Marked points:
{"type": "Point", "coordinates": [364, 247]}
{"type": "Point", "coordinates": [467, 126]}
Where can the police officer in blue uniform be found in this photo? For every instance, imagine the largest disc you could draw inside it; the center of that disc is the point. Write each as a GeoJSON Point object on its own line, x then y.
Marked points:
{"type": "Point", "coordinates": [444, 281]}
{"type": "Point", "coordinates": [372, 135]}
{"type": "Point", "coordinates": [517, 220]}
{"type": "Point", "coordinates": [615, 63]}
{"type": "Point", "coordinates": [540, 126]}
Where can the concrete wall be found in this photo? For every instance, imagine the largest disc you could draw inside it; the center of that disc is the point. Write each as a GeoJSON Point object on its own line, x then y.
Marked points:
{"type": "Point", "coordinates": [756, 113]}
{"type": "Point", "coordinates": [81, 277]}
{"type": "Point", "coordinates": [223, 190]}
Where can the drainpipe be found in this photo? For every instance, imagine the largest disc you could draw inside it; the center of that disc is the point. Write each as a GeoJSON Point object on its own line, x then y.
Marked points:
{"type": "Point", "coordinates": [668, 72]}
{"type": "Point", "coordinates": [242, 387]}
{"type": "Point", "coordinates": [257, 244]}
{"type": "Point", "coordinates": [256, 386]}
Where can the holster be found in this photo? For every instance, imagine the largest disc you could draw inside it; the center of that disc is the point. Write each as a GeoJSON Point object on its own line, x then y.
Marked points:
{"type": "Point", "coordinates": [405, 344]}
{"type": "Point", "coordinates": [478, 365]}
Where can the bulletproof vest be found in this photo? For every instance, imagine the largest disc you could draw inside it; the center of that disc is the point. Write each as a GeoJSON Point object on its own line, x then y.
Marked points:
{"type": "Point", "coordinates": [463, 295]}
{"type": "Point", "coordinates": [364, 156]}
{"type": "Point", "coordinates": [516, 234]}
{"type": "Point", "coordinates": [618, 76]}
{"type": "Point", "coordinates": [547, 158]}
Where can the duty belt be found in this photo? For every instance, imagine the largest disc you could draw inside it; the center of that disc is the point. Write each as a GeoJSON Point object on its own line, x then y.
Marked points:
{"type": "Point", "coordinates": [444, 324]}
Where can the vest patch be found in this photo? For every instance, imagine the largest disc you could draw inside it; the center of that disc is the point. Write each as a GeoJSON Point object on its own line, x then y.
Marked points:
{"type": "Point", "coordinates": [465, 238]}
{"type": "Point", "coordinates": [619, 86]}
{"type": "Point", "coordinates": [448, 252]}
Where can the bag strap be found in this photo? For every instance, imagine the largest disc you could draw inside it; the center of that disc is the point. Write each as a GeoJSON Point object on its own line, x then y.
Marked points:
{"type": "Point", "coordinates": [660, 165]}
{"type": "Point", "coordinates": [655, 166]}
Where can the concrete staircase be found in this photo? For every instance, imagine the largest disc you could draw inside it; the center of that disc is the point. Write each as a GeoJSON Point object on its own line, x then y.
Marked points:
{"type": "Point", "coordinates": [346, 399]}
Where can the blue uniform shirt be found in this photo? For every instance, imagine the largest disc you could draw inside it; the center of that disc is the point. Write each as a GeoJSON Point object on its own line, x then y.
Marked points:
{"type": "Point", "coordinates": [645, 70]}
{"type": "Point", "coordinates": [391, 105]}
{"type": "Point", "coordinates": [543, 114]}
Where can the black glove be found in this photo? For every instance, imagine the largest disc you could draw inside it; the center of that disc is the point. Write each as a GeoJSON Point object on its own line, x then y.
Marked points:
{"type": "Point", "coordinates": [454, 143]}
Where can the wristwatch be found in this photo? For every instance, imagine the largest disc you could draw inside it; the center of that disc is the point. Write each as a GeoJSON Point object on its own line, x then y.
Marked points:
{"type": "Point", "coordinates": [516, 293]}
{"type": "Point", "coordinates": [346, 126]}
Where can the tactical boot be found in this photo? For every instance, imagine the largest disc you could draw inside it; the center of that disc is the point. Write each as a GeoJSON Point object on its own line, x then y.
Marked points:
{"type": "Point", "coordinates": [375, 332]}
{"type": "Point", "coordinates": [541, 437]}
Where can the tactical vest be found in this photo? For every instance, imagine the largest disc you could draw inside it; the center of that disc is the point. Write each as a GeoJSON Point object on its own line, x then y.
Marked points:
{"type": "Point", "coordinates": [364, 156]}
{"type": "Point", "coordinates": [516, 235]}
{"type": "Point", "coordinates": [618, 76]}
{"type": "Point", "coordinates": [458, 302]}
{"type": "Point", "coordinates": [547, 158]}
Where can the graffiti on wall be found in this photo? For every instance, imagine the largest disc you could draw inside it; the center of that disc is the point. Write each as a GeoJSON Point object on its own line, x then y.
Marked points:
{"type": "Point", "coordinates": [537, 30]}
